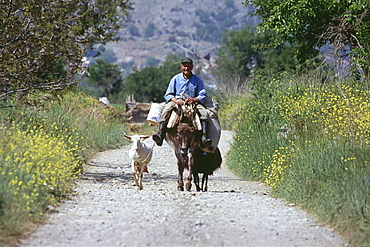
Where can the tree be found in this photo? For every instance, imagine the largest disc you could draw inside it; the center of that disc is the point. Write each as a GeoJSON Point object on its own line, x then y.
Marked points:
{"type": "Point", "coordinates": [150, 84]}
{"type": "Point", "coordinates": [149, 30]}
{"type": "Point", "coordinates": [42, 42]}
{"type": "Point", "coordinates": [247, 50]}
{"type": "Point", "coordinates": [105, 76]}
{"type": "Point", "coordinates": [134, 31]}
{"type": "Point", "coordinates": [312, 24]}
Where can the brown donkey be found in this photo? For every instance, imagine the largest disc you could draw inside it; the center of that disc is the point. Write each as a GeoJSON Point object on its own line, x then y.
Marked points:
{"type": "Point", "coordinates": [185, 138]}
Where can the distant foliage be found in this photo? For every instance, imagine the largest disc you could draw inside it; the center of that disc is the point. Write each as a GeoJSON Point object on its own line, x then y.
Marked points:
{"type": "Point", "coordinates": [212, 25]}
{"type": "Point", "coordinates": [247, 51]}
{"type": "Point", "coordinates": [149, 30]}
{"type": "Point", "coordinates": [150, 83]}
{"type": "Point", "coordinates": [105, 78]}
{"type": "Point", "coordinates": [230, 4]}
{"type": "Point", "coordinates": [203, 16]}
{"type": "Point", "coordinates": [134, 31]}
{"type": "Point", "coordinates": [42, 42]}
{"type": "Point", "coordinates": [312, 24]}
{"type": "Point", "coordinates": [151, 61]}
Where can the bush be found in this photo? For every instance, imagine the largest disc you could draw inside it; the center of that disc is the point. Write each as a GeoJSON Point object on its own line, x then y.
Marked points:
{"type": "Point", "coordinates": [310, 142]}
{"type": "Point", "coordinates": [37, 168]}
{"type": "Point", "coordinates": [43, 149]}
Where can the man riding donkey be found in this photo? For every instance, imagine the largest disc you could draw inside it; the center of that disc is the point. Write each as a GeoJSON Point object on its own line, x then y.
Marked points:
{"type": "Point", "coordinates": [185, 83]}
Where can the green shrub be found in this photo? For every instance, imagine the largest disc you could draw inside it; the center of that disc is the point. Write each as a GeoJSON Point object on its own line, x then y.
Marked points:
{"type": "Point", "coordinates": [311, 144]}
{"type": "Point", "coordinates": [42, 150]}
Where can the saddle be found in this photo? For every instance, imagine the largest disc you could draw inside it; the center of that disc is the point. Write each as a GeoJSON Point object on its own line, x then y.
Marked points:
{"type": "Point", "coordinates": [177, 116]}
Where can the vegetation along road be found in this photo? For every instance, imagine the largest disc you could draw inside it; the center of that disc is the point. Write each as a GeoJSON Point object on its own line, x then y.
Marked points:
{"type": "Point", "coordinates": [109, 211]}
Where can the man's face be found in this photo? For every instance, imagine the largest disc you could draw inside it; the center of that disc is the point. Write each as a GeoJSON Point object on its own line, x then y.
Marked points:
{"type": "Point", "coordinates": [187, 68]}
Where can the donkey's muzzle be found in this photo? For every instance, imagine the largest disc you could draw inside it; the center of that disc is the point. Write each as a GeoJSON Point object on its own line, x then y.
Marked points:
{"type": "Point", "coordinates": [183, 151]}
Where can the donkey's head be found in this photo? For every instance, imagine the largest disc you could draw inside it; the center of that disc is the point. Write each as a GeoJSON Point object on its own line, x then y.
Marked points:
{"type": "Point", "coordinates": [186, 137]}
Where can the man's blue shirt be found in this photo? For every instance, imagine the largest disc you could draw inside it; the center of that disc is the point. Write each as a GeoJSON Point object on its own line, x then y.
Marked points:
{"type": "Point", "coordinates": [193, 88]}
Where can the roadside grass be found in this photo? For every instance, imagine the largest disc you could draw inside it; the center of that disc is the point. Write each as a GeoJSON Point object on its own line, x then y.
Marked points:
{"type": "Point", "coordinates": [310, 142]}
{"type": "Point", "coordinates": [43, 149]}
{"type": "Point", "coordinates": [231, 107]}
{"type": "Point", "coordinates": [142, 129]}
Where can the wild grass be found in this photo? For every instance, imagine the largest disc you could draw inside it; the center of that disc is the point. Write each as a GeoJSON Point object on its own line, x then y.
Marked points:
{"type": "Point", "coordinates": [310, 142]}
{"type": "Point", "coordinates": [42, 151]}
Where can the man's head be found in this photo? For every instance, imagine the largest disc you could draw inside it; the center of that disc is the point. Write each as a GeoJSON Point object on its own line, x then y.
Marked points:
{"type": "Point", "coordinates": [186, 60]}
{"type": "Point", "coordinates": [187, 66]}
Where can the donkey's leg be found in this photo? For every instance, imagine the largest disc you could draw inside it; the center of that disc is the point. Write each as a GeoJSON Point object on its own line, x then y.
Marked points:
{"type": "Point", "coordinates": [188, 182]}
{"type": "Point", "coordinates": [196, 180]}
{"type": "Point", "coordinates": [180, 182]}
{"type": "Point", "coordinates": [180, 167]}
{"type": "Point", "coordinates": [205, 182]}
{"type": "Point", "coordinates": [190, 175]}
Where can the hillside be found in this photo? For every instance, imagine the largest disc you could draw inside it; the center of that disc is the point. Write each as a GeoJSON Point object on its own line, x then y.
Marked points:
{"type": "Point", "coordinates": [184, 27]}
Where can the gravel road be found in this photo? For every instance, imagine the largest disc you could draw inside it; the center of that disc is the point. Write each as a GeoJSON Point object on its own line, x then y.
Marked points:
{"type": "Point", "coordinates": [109, 211]}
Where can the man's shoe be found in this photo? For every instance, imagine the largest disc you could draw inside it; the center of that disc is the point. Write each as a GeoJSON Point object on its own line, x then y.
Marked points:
{"type": "Point", "coordinates": [206, 141]}
{"type": "Point", "coordinates": [158, 139]}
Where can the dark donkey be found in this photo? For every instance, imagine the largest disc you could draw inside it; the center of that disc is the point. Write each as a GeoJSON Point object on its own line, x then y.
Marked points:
{"type": "Point", "coordinates": [185, 138]}
{"type": "Point", "coordinates": [205, 163]}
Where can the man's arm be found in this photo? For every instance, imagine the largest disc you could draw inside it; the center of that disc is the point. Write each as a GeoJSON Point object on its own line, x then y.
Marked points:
{"type": "Point", "coordinates": [201, 93]}
{"type": "Point", "coordinates": [171, 91]}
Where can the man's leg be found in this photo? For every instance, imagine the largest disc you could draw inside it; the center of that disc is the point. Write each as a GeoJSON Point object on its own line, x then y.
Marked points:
{"type": "Point", "coordinates": [204, 120]}
{"type": "Point", "coordinates": [159, 137]}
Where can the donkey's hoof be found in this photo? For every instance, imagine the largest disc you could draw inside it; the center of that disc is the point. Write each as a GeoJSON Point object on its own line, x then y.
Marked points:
{"type": "Point", "coordinates": [180, 188]}
{"type": "Point", "coordinates": [188, 187]}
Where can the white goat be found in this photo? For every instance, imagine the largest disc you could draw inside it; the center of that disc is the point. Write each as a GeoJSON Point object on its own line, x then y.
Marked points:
{"type": "Point", "coordinates": [140, 154]}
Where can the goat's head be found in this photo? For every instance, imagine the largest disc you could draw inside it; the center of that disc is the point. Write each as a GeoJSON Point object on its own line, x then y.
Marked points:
{"type": "Point", "coordinates": [136, 139]}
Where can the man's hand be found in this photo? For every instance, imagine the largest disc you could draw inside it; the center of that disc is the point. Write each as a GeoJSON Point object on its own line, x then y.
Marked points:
{"type": "Point", "coordinates": [179, 102]}
{"type": "Point", "coordinates": [191, 100]}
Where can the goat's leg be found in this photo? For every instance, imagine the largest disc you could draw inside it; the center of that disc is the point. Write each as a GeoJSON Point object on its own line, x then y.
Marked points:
{"type": "Point", "coordinates": [140, 181]}
{"type": "Point", "coordinates": [134, 173]}
{"type": "Point", "coordinates": [140, 176]}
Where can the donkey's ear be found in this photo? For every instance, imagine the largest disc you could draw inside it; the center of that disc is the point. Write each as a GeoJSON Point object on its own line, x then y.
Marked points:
{"type": "Point", "coordinates": [127, 136]}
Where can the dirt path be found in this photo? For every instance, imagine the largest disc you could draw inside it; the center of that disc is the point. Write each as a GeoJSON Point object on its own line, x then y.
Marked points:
{"type": "Point", "coordinates": [108, 211]}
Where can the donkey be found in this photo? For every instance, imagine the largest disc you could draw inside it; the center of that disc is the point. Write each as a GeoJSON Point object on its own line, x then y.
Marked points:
{"type": "Point", "coordinates": [185, 138]}
{"type": "Point", "coordinates": [205, 163]}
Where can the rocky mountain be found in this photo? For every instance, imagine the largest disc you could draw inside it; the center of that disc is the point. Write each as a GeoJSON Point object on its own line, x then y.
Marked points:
{"type": "Point", "coordinates": [193, 28]}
